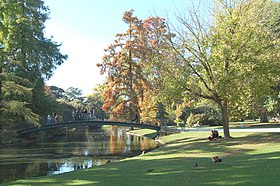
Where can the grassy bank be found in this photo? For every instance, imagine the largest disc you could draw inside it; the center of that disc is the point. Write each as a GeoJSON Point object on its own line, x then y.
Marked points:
{"type": "Point", "coordinates": [248, 159]}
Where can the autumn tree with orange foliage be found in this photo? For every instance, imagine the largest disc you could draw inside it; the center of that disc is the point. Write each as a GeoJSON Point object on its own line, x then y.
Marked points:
{"type": "Point", "coordinates": [131, 79]}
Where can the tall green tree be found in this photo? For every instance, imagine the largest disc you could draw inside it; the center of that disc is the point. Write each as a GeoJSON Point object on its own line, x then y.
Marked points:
{"type": "Point", "coordinates": [270, 105]}
{"type": "Point", "coordinates": [230, 60]}
{"type": "Point", "coordinates": [96, 101]}
{"type": "Point", "coordinates": [27, 55]}
{"type": "Point", "coordinates": [55, 92]}
{"type": "Point", "coordinates": [16, 96]}
{"type": "Point", "coordinates": [74, 93]}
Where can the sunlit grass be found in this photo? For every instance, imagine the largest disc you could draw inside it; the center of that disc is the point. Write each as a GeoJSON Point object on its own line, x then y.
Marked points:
{"type": "Point", "coordinates": [185, 159]}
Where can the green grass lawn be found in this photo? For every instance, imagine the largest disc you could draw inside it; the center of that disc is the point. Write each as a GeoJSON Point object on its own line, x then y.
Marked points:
{"type": "Point", "coordinates": [248, 159]}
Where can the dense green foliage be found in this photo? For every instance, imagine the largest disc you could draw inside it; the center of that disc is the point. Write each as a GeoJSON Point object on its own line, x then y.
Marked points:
{"type": "Point", "coordinates": [28, 58]}
{"type": "Point", "coordinates": [231, 60]}
{"type": "Point", "coordinates": [203, 113]}
{"type": "Point", "coordinates": [95, 101]}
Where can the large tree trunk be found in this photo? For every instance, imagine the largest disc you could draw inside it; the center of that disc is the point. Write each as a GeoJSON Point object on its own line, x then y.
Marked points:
{"type": "Point", "coordinates": [130, 77]}
{"type": "Point", "coordinates": [1, 79]}
{"type": "Point", "coordinates": [1, 99]}
{"type": "Point", "coordinates": [130, 88]}
{"type": "Point", "coordinates": [263, 119]}
{"type": "Point", "coordinates": [0, 86]}
{"type": "Point", "coordinates": [224, 109]}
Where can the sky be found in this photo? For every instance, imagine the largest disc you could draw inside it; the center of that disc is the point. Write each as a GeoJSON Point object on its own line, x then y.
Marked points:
{"type": "Point", "coordinates": [86, 27]}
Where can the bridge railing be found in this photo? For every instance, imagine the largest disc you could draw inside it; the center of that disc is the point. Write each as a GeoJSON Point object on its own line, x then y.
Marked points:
{"type": "Point", "coordinates": [87, 122]}
{"type": "Point", "coordinates": [80, 117]}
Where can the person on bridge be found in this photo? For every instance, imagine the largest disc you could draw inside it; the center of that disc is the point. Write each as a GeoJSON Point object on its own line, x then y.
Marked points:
{"type": "Point", "coordinates": [137, 117]}
{"type": "Point", "coordinates": [91, 111]}
{"type": "Point", "coordinates": [55, 118]}
{"type": "Point", "coordinates": [49, 119]}
{"type": "Point", "coordinates": [73, 115]}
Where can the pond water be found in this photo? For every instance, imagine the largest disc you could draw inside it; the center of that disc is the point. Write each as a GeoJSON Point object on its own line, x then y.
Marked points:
{"type": "Point", "coordinates": [83, 148]}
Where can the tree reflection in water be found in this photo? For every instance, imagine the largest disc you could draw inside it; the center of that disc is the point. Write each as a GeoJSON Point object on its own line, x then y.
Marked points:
{"type": "Point", "coordinates": [86, 148]}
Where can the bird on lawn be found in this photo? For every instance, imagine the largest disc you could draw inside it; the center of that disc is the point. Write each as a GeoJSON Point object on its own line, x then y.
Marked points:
{"type": "Point", "coordinates": [216, 159]}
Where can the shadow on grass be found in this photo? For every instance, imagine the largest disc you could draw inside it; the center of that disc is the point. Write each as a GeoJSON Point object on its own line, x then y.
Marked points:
{"type": "Point", "coordinates": [152, 135]}
{"type": "Point", "coordinates": [220, 145]}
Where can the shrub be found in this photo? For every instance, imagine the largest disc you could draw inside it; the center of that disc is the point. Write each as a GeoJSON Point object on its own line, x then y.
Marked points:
{"type": "Point", "coordinates": [195, 118]}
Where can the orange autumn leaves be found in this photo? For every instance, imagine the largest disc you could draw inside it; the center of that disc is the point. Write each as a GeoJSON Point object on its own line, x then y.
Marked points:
{"type": "Point", "coordinates": [127, 63]}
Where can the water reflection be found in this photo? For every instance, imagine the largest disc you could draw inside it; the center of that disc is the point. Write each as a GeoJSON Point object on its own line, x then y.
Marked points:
{"type": "Point", "coordinates": [83, 148]}
{"type": "Point", "coordinates": [67, 166]}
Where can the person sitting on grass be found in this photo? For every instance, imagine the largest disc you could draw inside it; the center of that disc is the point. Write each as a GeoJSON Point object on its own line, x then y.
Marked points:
{"type": "Point", "coordinates": [214, 135]}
